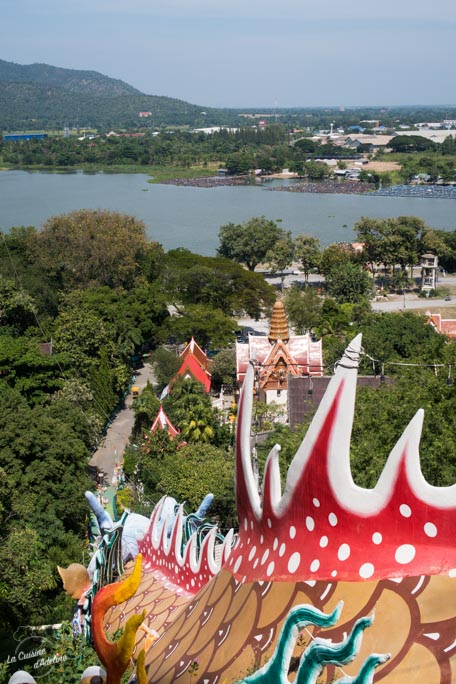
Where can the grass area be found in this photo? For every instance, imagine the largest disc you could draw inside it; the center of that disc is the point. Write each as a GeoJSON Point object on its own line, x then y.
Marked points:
{"type": "Point", "coordinates": [391, 177]}
{"type": "Point", "coordinates": [157, 173]}
{"type": "Point", "coordinates": [402, 157]}
{"type": "Point", "coordinates": [162, 173]}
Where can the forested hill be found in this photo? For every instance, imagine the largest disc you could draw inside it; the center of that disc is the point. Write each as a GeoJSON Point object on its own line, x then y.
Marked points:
{"type": "Point", "coordinates": [41, 96]}
{"type": "Point", "coordinates": [84, 82]}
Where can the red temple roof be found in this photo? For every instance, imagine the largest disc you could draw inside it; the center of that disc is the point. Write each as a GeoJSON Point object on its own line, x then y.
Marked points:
{"type": "Point", "coordinates": [191, 366]}
{"type": "Point", "coordinates": [194, 349]}
{"type": "Point", "coordinates": [162, 422]}
{"type": "Point", "coordinates": [445, 326]}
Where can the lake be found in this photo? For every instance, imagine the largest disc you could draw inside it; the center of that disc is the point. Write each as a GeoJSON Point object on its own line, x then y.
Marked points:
{"type": "Point", "coordinates": [191, 217]}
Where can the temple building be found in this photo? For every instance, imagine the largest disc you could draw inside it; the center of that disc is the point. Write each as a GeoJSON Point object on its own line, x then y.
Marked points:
{"type": "Point", "coordinates": [278, 356]}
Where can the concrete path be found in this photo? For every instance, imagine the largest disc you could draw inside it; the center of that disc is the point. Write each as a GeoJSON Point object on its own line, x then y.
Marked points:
{"type": "Point", "coordinates": [113, 445]}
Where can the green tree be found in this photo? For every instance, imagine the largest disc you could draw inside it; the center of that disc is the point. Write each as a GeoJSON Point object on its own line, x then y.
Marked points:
{"type": "Point", "coordinates": [211, 327]}
{"type": "Point", "coordinates": [45, 470]}
{"type": "Point", "coordinates": [394, 241]}
{"type": "Point", "coordinates": [24, 367]}
{"type": "Point", "coordinates": [92, 248]}
{"type": "Point", "coordinates": [132, 318]}
{"type": "Point", "coordinates": [448, 258]}
{"type": "Point", "coordinates": [303, 308]}
{"type": "Point", "coordinates": [411, 143]}
{"type": "Point", "coordinates": [17, 261]}
{"type": "Point", "coordinates": [165, 363]}
{"type": "Point", "coordinates": [239, 163]}
{"type": "Point", "coordinates": [189, 409]}
{"type": "Point", "coordinates": [27, 574]}
{"type": "Point", "coordinates": [400, 337]}
{"type": "Point", "coordinates": [315, 170]}
{"type": "Point", "coordinates": [306, 145]}
{"type": "Point", "coordinates": [193, 472]}
{"type": "Point", "coordinates": [308, 253]}
{"type": "Point", "coordinates": [103, 385]}
{"type": "Point", "coordinates": [145, 408]}
{"type": "Point", "coordinates": [348, 283]}
{"type": "Point", "coordinates": [381, 416]}
{"type": "Point", "coordinates": [337, 254]}
{"type": "Point", "coordinates": [215, 282]}
{"type": "Point", "coordinates": [249, 242]}
{"type": "Point", "coordinates": [281, 255]}
{"type": "Point", "coordinates": [81, 335]}
{"type": "Point", "coordinates": [334, 322]}
{"type": "Point", "coordinates": [223, 368]}
{"type": "Point", "coordinates": [17, 308]}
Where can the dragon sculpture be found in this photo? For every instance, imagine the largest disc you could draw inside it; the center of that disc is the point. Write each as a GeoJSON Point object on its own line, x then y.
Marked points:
{"type": "Point", "coordinates": [269, 608]}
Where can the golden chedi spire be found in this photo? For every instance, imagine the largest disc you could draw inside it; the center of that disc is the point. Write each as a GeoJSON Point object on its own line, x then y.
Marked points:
{"type": "Point", "coordinates": [278, 329]}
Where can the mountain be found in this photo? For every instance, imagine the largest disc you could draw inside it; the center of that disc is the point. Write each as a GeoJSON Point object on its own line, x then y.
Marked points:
{"type": "Point", "coordinates": [40, 96]}
{"type": "Point", "coordinates": [73, 80]}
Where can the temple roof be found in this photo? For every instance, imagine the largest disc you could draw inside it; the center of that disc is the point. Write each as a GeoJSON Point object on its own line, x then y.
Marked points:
{"type": "Point", "coordinates": [191, 366]}
{"type": "Point", "coordinates": [445, 326]}
{"type": "Point", "coordinates": [194, 349]}
{"type": "Point", "coordinates": [302, 356]}
{"type": "Point", "coordinates": [162, 422]}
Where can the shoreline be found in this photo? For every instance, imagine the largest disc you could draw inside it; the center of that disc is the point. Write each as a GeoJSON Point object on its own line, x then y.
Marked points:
{"type": "Point", "coordinates": [329, 187]}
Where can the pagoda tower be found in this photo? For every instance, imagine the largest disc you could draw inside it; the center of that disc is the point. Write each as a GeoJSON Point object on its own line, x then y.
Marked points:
{"type": "Point", "coordinates": [277, 356]}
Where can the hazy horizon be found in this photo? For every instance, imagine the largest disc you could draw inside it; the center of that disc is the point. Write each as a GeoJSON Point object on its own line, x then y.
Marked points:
{"type": "Point", "coordinates": [248, 55]}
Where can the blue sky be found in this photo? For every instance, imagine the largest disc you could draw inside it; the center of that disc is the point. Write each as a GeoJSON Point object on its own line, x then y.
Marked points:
{"type": "Point", "coordinates": [248, 53]}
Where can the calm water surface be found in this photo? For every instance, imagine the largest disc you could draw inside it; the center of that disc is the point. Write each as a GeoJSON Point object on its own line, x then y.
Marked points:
{"type": "Point", "coordinates": [191, 217]}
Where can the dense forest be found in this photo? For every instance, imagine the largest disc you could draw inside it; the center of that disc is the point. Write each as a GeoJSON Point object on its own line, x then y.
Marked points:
{"type": "Point", "coordinates": [86, 297]}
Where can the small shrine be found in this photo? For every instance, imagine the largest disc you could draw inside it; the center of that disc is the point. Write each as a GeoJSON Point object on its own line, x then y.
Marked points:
{"type": "Point", "coordinates": [162, 422]}
{"type": "Point", "coordinates": [277, 356]}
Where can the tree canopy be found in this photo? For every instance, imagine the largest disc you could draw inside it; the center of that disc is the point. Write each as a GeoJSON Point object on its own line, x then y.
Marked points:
{"type": "Point", "coordinates": [303, 307]}
{"type": "Point", "coordinates": [348, 282]}
{"type": "Point", "coordinates": [216, 282]}
{"type": "Point", "coordinates": [308, 253]}
{"type": "Point", "coordinates": [249, 242]}
{"type": "Point", "coordinates": [92, 248]}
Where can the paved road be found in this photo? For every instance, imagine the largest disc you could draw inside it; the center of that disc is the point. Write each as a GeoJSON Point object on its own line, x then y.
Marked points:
{"type": "Point", "coordinates": [118, 434]}
{"type": "Point", "coordinates": [412, 303]}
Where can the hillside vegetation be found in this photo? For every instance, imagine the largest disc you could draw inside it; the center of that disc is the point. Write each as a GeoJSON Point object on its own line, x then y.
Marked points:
{"type": "Point", "coordinates": [76, 81]}
{"type": "Point", "coordinates": [40, 96]}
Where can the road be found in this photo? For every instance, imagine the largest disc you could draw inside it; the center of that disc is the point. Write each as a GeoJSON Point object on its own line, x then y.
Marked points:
{"type": "Point", "coordinates": [392, 303]}
{"type": "Point", "coordinates": [113, 445]}
{"type": "Point", "coordinates": [412, 303]}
